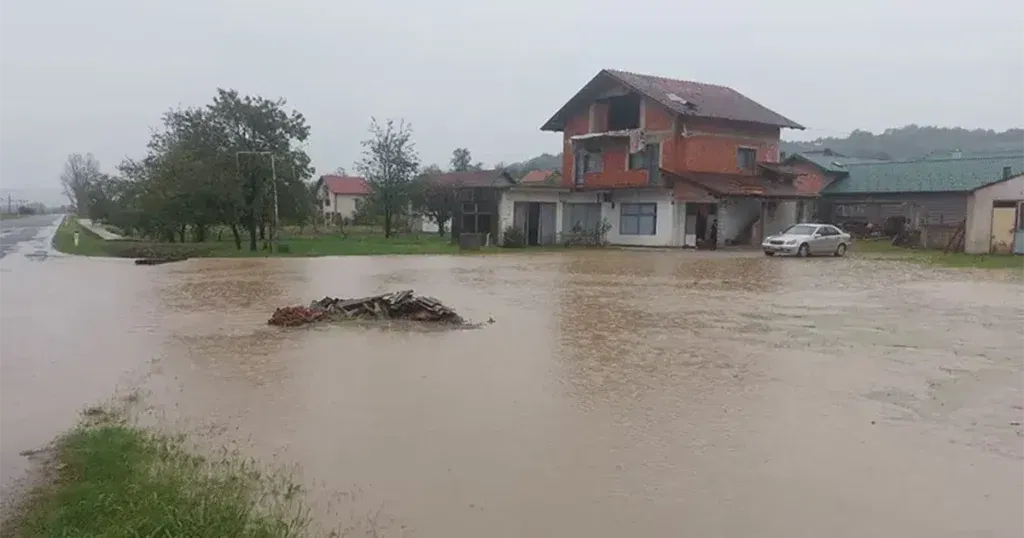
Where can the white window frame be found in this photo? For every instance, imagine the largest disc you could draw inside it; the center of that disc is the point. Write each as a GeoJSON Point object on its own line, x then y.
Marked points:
{"type": "Point", "coordinates": [638, 213]}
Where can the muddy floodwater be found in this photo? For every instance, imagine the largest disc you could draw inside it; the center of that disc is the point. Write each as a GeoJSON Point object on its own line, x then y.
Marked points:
{"type": "Point", "coordinates": [618, 393]}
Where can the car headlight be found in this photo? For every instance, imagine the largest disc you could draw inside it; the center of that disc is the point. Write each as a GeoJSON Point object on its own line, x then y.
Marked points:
{"type": "Point", "coordinates": [791, 242]}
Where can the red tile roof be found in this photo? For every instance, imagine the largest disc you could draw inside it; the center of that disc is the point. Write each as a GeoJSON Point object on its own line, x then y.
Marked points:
{"type": "Point", "coordinates": [683, 97]}
{"type": "Point", "coordinates": [537, 176]}
{"type": "Point", "coordinates": [346, 185]}
{"type": "Point", "coordinates": [475, 178]}
{"type": "Point", "coordinates": [742, 185]}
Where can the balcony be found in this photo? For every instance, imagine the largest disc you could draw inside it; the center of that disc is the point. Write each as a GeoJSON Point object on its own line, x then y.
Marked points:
{"type": "Point", "coordinates": [610, 165]}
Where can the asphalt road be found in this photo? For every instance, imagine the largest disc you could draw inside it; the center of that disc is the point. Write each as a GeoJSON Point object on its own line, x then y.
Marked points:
{"type": "Point", "coordinates": [16, 232]}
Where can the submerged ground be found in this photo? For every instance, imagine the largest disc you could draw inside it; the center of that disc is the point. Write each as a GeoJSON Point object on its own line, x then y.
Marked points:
{"type": "Point", "coordinates": [619, 393]}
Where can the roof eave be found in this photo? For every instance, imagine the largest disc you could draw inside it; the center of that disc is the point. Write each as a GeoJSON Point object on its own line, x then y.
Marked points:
{"type": "Point", "coordinates": [557, 122]}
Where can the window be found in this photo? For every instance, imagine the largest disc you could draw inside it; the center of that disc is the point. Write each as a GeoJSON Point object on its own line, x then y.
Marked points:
{"type": "Point", "coordinates": [638, 219]}
{"type": "Point", "coordinates": [746, 158]}
{"type": "Point", "coordinates": [800, 229]}
{"type": "Point", "coordinates": [475, 218]}
{"type": "Point", "coordinates": [637, 161]}
{"type": "Point", "coordinates": [591, 161]}
{"type": "Point", "coordinates": [624, 112]}
{"type": "Point", "coordinates": [327, 202]}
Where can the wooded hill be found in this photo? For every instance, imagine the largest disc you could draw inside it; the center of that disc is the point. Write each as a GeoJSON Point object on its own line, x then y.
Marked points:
{"type": "Point", "coordinates": [902, 143]}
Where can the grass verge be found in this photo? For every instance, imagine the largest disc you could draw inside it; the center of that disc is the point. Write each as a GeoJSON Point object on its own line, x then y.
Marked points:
{"type": "Point", "coordinates": [114, 480]}
{"type": "Point", "coordinates": [298, 245]}
{"type": "Point", "coordinates": [883, 248]}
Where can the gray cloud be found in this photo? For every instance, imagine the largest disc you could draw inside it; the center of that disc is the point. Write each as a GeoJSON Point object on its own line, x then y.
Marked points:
{"type": "Point", "coordinates": [95, 76]}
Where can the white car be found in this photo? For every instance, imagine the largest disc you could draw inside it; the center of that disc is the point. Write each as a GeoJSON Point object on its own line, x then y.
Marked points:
{"type": "Point", "coordinates": [808, 239]}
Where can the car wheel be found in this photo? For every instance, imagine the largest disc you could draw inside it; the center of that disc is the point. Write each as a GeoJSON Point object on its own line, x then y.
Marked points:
{"type": "Point", "coordinates": [804, 251]}
{"type": "Point", "coordinates": [769, 253]}
{"type": "Point", "coordinates": [841, 250]}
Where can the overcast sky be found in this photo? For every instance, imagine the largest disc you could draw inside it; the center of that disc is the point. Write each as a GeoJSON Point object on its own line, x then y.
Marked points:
{"type": "Point", "coordinates": [94, 76]}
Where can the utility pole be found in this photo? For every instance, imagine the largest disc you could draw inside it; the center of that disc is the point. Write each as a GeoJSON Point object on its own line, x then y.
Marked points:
{"type": "Point", "coordinates": [274, 240]}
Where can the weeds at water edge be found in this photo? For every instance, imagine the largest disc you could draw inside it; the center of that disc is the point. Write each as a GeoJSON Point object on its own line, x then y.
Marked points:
{"type": "Point", "coordinates": [107, 478]}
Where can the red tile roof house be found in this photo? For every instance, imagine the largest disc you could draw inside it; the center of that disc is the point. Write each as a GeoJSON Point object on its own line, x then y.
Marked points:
{"type": "Point", "coordinates": [338, 194]}
{"type": "Point", "coordinates": [661, 159]}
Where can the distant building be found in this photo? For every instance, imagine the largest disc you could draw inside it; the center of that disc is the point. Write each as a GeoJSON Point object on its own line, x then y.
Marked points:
{"type": "Point", "coordinates": [542, 177]}
{"type": "Point", "coordinates": [817, 169]}
{"type": "Point", "coordinates": [478, 195]}
{"type": "Point", "coordinates": [933, 195]}
{"type": "Point", "coordinates": [338, 195]}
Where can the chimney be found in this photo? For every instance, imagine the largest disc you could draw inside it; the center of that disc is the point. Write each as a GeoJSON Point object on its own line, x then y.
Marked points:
{"type": "Point", "coordinates": [1006, 172]}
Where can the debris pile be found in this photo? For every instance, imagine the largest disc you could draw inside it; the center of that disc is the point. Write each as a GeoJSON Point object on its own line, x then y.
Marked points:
{"type": "Point", "coordinates": [399, 305]}
{"type": "Point", "coordinates": [293, 316]}
{"type": "Point", "coordinates": [158, 261]}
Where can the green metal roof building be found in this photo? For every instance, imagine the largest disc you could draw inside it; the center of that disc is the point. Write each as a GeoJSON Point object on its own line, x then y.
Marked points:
{"type": "Point", "coordinates": [931, 194]}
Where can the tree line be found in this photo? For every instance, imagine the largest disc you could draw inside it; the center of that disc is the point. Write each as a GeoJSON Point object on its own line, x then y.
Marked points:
{"type": "Point", "coordinates": [240, 164]}
{"type": "Point", "coordinates": [915, 142]}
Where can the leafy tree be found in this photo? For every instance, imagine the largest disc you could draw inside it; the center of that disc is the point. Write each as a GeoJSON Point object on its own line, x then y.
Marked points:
{"type": "Point", "coordinates": [433, 199]}
{"type": "Point", "coordinates": [389, 163]}
{"type": "Point", "coordinates": [255, 124]}
{"type": "Point", "coordinates": [461, 161]}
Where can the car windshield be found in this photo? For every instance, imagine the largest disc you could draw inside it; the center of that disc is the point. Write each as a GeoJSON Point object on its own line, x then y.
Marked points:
{"type": "Point", "coordinates": [800, 229]}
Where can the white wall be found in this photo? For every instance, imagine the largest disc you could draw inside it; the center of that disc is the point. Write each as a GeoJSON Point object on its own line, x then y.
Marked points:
{"type": "Point", "coordinates": [783, 217]}
{"type": "Point", "coordinates": [342, 204]}
{"type": "Point", "coordinates": [978, 236]}
{"type": "Point", "coordinates": [507, 204]}
{"type": "Point", "coordinates": [664, 223]}
{"type": "Point", "coordinates": [734, 214]}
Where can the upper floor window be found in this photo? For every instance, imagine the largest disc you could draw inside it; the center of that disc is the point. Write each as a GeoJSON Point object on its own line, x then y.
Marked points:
{"type": "Point", "coordinates": [638, 160]}
{"type": "Point", "coordinates": [624, 112]}
{"type": "Point", "coordinates": [591, 161]}
{"type": "Point", "coordinates": [746, 158]}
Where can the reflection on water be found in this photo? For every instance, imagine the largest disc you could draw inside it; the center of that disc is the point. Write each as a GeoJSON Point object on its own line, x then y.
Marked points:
{"type": "Point", "coordinates": [619, 393]}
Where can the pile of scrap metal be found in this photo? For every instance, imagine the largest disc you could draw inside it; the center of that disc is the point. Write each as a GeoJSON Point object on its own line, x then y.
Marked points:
{"type": "Point", "coordinates": [399, 305]}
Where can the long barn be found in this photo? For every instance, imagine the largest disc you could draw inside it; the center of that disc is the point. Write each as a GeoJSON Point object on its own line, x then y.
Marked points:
{"type": "Point", "coordinates": [932, 195]}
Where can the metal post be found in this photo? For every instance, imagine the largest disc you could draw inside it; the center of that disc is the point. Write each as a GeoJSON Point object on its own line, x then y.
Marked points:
{"type": "Point", "coordinates": [274, 238]}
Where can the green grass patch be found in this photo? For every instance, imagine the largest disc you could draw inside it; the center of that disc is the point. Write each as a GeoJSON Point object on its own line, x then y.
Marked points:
{"type": "Point", "coordinates": [883, 248]}
{"type": "Point", "coordinates": [352, 244]}
{"type": "Point", "coordinates": [113, 480]}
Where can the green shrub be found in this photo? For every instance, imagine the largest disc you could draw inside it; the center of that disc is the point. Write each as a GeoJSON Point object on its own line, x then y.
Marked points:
{"type": "Point", "coordinates": [513, 237]}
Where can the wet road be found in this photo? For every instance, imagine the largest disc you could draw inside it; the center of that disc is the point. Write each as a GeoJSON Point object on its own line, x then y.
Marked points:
{"type": "Point", "coordinates": [617, 394]}
{"type": "Point", "coordinates": [20, 232]}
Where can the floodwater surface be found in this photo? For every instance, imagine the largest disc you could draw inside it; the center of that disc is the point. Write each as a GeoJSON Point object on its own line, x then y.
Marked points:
{"type": "Point", "coordinates": [618, 393]}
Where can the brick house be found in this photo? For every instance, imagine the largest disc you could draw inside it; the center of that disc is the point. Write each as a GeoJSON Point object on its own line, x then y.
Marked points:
{"type": "Point", "coordinates": [663, 161]}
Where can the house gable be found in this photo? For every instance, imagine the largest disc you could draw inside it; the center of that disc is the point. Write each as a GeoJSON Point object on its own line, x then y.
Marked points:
{"type": "Point", "coordinates": [681, 97]}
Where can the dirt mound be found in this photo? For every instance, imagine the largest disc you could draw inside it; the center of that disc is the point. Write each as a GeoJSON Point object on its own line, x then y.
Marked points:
{"type": "Point", "coordinates": [399, 305]}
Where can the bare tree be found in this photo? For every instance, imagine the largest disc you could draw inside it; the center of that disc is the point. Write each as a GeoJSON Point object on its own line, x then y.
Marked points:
{"type": "Point", "coordinates": [80, 173]}
{"type": "Point", "coordinates": [389, 164]}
